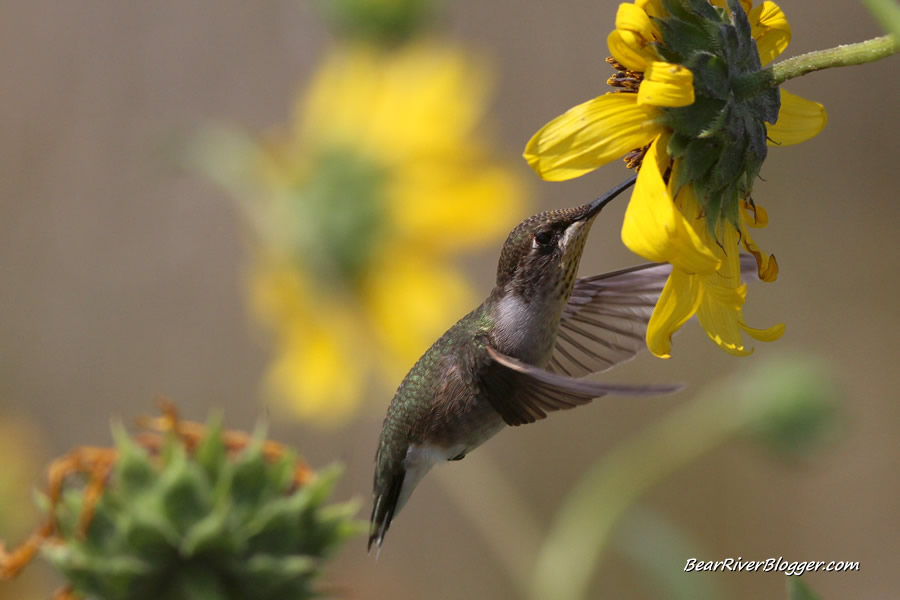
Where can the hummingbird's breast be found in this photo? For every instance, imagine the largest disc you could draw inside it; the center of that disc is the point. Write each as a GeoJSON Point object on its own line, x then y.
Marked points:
{"type": "Point", "coordinates": [526, 328]}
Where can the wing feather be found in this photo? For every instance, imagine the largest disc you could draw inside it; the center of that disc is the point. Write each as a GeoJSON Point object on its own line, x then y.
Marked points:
{"type": "Point", "coordinates": [524, 393]}
{"type": "Point", "coordinates": [605, 321]}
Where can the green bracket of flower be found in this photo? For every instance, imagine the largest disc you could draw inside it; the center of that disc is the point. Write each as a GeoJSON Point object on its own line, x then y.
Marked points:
{"type": "Point", "coordinates": [187, 512]}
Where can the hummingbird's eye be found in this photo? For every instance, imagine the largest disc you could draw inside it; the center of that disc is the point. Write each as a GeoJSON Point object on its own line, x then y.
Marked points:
{"type": "Point", "coordinates": [544, 238]}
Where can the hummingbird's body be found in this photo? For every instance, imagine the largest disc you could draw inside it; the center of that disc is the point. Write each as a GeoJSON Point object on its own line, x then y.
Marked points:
{"type": "Point", "coordinates": [417, 434]}
{"type": "Point", "coordinates": [515, 357]}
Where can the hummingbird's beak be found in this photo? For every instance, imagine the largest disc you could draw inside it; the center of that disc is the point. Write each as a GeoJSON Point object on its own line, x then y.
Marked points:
{"type": "Point", "coordinates": [594, 207]}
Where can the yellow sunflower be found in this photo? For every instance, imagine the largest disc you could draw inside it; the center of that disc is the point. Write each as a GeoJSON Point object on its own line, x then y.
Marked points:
{"type": "Point", "coordinates": [688, 115]}
{"type": "Point", "coordinates": [360, 209]}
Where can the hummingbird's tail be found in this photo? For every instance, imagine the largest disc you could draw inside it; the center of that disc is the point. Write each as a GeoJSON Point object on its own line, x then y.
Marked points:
{"type": "Point", "coordinates": [387, 495]}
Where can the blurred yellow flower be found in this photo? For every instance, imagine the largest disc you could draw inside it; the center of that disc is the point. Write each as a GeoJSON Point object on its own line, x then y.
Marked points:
{"type": "Point", "coordinates": [687, 117]}
{"type": "Point", "coordinates": [382, 178]}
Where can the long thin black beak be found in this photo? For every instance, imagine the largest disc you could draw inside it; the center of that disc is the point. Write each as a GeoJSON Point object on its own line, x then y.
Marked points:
{"type": "Point", "coordinates": [595, 206]}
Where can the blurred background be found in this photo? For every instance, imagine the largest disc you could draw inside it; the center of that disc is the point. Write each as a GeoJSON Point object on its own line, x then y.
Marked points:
{"type": "Point", "coordinates": [129, 274]}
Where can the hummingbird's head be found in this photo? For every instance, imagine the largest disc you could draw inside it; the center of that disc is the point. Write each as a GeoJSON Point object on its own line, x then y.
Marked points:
{"type": "Point", "coordinates": [541, 255]}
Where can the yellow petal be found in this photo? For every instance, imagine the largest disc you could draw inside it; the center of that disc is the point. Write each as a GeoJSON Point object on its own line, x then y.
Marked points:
{"type": "Point", "coordinates": [328, 107]}
{"type": "Point", "coordinates": [320, 356]}
{"type": "Point", "coordinates": [447, 206]}
{"type": "Point", "coordinates": [626, 48]}
{"type": "Point", "coordinates": [631, 47]}
{"type": "Point", "coordinates": [754, 215]}
{"type": "Point", "coordinates": [431, 97]}
{"type": "Point", "coordinates": [630, 17]}
{"type": "Point", "coordinates": [316, 377]}
{"type": "Point", "coordinates": [724, 245]}
{"type": "Point", "coordinates": [766, 266]}
{"type": "Point", "coordinates": [653, 8]}
{"type": "Point", "coordinates": [799, 119]}
{"type": "Point", "coordinates": [410, 300]}
{"type": "Point", "coordinates": [405, 101]}
{"type": "Point", "coordinates": [770, 28]}
{"type": "Point", "coordinates": [721, 319]}
{"type": "Point", "coordinates": [724, 294]}
{"type": "Point", "coordinates": [278, 292]}
{"type": "Point", "coordinates": [654, 227]}
{"type": "Point", "coordinates": [678, 302]}
{"type": "Point", "coordinates": [667, 84]}
{"type": "Point", "coordinates": [765, 335]}
{"type": "Point", "coordinates": [729, 274]}
{"type": "Point", "coordinates": [591, 134]}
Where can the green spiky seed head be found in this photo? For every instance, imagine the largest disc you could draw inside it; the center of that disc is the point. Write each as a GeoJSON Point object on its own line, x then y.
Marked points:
{"type": "Point", "coordinates": [199, 523]}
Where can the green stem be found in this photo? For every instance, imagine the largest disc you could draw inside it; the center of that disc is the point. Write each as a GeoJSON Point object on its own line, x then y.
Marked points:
{"type": "Point", "coordinates": [498, 512]}
{"type": "Point", "coordinates": [787, 403]}
{"type": "Point", "coordinates": [887, 12]}
{"type": "Point", "coordinates": [575, 543]}
{"type": "Point", "coordinates": [842, 56]}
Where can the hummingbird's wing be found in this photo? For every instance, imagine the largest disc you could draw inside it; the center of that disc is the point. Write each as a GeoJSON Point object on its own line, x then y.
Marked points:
{"type": "Point", "coordinates": [605, 321]}
{"type": "Point", "coordinates": [524, 393]}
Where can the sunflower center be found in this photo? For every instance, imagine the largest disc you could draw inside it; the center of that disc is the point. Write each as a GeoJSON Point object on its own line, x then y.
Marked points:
{"type": "Point", "coordinates": [624, 78]}
{"type": "Point", "coordinates": [627, 81]}
{"type": "Point", "coordinates": [339, 218]}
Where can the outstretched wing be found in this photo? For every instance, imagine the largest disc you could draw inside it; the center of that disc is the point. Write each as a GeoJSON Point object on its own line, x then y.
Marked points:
{"type": "Point", "coordinates": [605, 321]}
{"type": "Point", "coordinates": [524, 393]}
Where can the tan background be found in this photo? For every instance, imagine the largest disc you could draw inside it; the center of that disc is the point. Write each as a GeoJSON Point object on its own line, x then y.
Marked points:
{"type": "Point", "coordinates": [120, 276]}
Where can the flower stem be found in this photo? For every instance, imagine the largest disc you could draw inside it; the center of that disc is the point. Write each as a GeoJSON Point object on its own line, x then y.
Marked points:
{"type": "Point", "coordinates": [499, 514]}
{"type": "Point", "coordinates": [584, 523]}
{"type": "Point", "coordinates": [786, 404]}
{"type": "Point", "coordinates": [887, 12]}
{"type": "Point", "coordinates": [841, 56]}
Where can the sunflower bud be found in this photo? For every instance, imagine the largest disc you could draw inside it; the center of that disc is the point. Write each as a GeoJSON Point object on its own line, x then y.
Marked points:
{"type": "Point", "coordinates": [791, 405]}
{"type": "Point", "coordinates": [196, 516]}
{"type": "Point", "coordinates": [385, 21]}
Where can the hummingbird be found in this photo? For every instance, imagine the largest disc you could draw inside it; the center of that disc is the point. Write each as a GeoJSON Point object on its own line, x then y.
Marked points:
{"type": "Point", "coordinates": [519, 355]}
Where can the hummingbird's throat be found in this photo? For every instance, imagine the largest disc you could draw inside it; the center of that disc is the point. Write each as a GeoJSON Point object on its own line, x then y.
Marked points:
{"type": "Point", "coordinates": [574, 240]}
{"type": "Point", "coordinates": [525, 327]}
